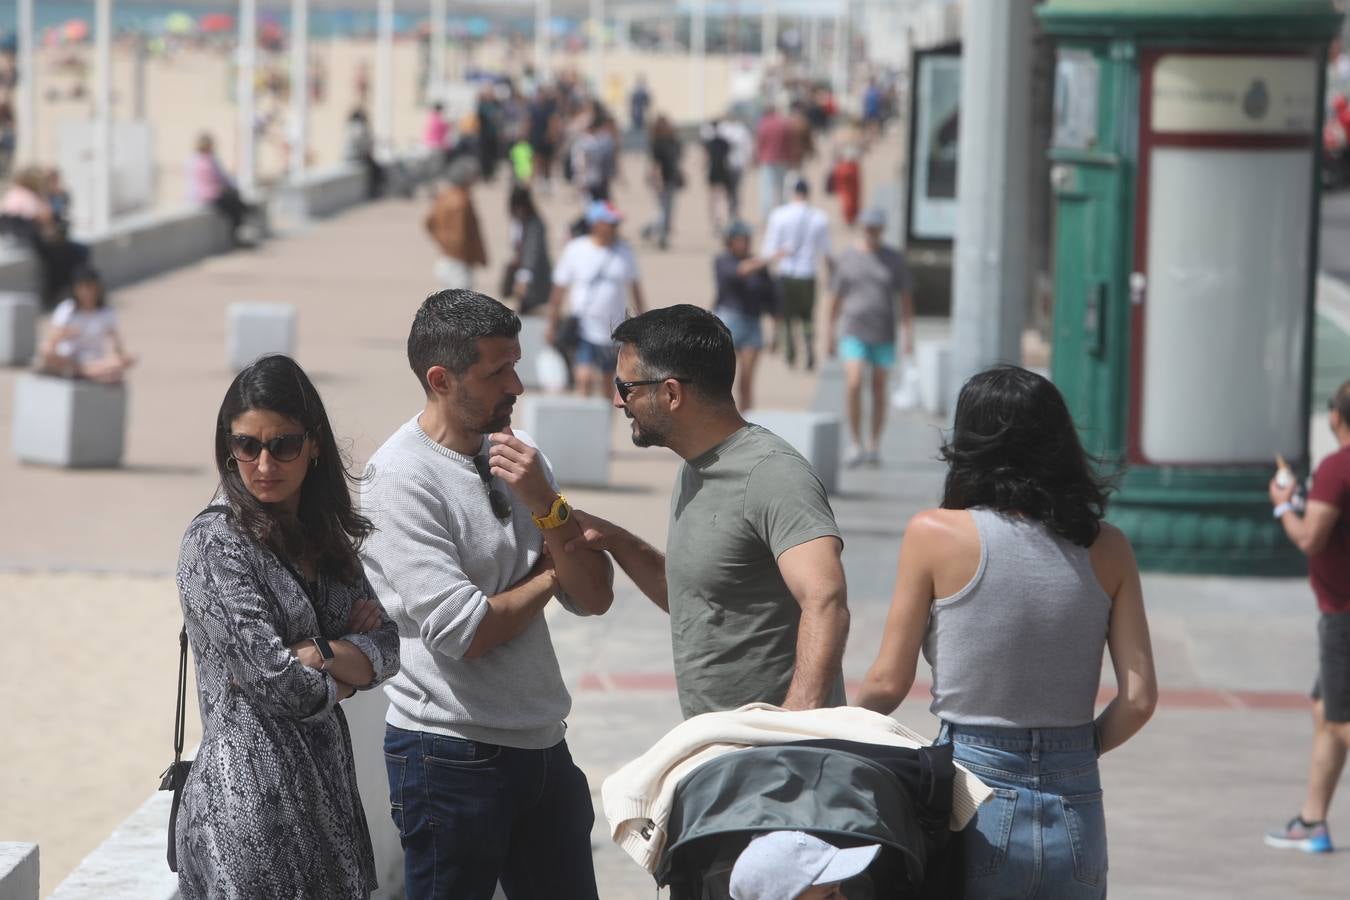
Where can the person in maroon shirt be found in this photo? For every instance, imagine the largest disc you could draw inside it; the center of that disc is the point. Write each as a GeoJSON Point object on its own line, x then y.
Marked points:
{"type": "Point", "coordinates": [771, 155]}
{"type": "Point", "coordinates": [1322, 532]}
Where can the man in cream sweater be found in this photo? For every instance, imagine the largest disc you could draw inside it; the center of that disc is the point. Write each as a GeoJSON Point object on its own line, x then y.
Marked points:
{"type": "Point", "coordinates": [467, 552]}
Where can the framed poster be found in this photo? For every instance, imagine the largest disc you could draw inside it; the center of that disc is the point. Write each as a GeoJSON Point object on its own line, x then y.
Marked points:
{"type": "Point", "coordinates": [933, 144]}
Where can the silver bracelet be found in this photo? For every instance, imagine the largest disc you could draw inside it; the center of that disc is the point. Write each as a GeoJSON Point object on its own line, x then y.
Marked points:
{"type": "Point", "coordinates": [1283, 508]}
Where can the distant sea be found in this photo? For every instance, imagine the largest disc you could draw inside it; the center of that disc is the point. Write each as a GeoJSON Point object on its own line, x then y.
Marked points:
{"type": "Point", "coordinates": [323, 22]}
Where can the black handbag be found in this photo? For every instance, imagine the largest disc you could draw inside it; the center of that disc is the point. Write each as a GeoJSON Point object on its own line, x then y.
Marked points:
{"type": "Point", "coordinates": [173, 778]}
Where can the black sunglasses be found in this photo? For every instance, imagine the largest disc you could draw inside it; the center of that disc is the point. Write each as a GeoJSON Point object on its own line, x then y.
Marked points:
{"type": "Point", "coordinates": [501, 506]}
{"type": "Point", "coordinates": [282, 448]}
{"type": "Point", "coordinates": [626, 387]}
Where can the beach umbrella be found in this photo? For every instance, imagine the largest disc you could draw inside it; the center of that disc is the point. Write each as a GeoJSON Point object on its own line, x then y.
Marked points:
{"type": "Point", "coordinates": [75, 30]}
{"type": "Point", "coordinates": [179, 23]}
{"type": "Point", "coordinates": [216, 23]}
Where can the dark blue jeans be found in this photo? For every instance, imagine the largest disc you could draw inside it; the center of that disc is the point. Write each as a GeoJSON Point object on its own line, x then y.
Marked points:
{"type": "Point", "coordinates": [470, 814]}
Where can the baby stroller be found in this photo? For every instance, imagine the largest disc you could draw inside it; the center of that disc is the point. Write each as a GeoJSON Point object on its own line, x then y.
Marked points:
{"type": "Point", "coordinates": [844, 792]}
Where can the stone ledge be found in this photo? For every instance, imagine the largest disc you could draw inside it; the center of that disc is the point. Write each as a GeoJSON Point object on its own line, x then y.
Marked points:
{"type": "Point", "coordinates": [131, 864]}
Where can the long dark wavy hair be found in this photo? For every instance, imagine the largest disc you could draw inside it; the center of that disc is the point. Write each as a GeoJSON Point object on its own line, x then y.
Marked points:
{"type": "Point", "coordinates": [329, 527]}
{"type": "Point", "coordinates": [1014, 448]}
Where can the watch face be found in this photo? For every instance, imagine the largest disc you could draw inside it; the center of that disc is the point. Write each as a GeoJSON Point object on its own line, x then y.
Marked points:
{"type": "Point", "coordinates": [564, 511]}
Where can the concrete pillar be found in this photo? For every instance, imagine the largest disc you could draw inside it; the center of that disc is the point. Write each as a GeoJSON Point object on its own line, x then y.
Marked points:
{"type": "Point", "coordinates": [595, 48]}
{"type": "Point", "coordinates": [543, 40]}
{"type": "Point", "coordinates": [299, 87]}
{"type": "Point", "coordinates": [623, 27]}
{"type": "Point", "coordinates": [436, 49]}
{"type": "Point", "coordinates": [768, 33]}
{"type": "Point", "coordinates": [26, 113]}
{"type": "Point", "coordinates": [989, 276]}
{"type": "Point", "coordinates": [813, 42]}
{"type": "Point", "coordinates": [384, 75]}
{"type": "Point", "coordinates": [102, 205]}
{"type": "Point", "coordinates": [247, 174]}
{"type": "Point", "coordinates": [698, 56]}
{"type": "Point", "coordinates": [839, 63]}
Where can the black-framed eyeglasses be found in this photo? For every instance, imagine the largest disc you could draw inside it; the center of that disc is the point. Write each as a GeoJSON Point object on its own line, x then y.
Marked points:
{"type": "Point", "coordinates": [501, 505]}
{"type": "Point", "coordinates": [626, 387]}
{"type": "Point", "coordinates": [282, 448]}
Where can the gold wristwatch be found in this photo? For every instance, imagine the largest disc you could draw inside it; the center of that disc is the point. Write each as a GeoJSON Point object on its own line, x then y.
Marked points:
{"type": "Point", "coordinates": [558, 514]}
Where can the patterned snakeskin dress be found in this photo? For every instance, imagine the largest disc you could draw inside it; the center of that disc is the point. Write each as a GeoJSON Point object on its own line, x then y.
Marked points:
{"type": "Point", "coordinates": [270, 808]}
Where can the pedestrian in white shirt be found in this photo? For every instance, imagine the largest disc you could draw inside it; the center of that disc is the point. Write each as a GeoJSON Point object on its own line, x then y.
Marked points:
{"type": "Point", "coordinates": [594, 273]}
{"type": "Point", "coordinates": [801, 234]}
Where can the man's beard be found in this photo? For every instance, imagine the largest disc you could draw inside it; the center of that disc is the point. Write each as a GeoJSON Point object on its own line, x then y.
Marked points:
{"type": "Point", "coordinates": [501, 417]}
{"type": "Point", "coordinates": [655, 434]}
{"type": "Point", "coordinates": [485, 422]}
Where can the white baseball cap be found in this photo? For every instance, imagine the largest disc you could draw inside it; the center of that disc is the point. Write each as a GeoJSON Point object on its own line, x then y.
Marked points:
{"type": "Point", "coordinates": [781, 865]}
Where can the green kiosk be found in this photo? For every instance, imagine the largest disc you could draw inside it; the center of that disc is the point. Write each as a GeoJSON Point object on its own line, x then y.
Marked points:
{"type": "Point", "coordinates": [1185, 178]}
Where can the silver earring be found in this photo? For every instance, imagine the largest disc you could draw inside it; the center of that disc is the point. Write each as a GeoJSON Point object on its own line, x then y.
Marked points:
{"type": "Point", "coordinates": [231, 464]}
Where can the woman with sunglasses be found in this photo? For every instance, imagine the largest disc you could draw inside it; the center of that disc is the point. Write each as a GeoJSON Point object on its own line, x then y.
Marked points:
{"type": "Point", "coordinates": [283, 625]}
{"type": "Point", "coordinates": [1013, 589]}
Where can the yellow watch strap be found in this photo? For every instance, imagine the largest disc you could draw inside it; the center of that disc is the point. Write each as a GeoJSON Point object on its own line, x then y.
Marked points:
{"type": "Point", "coordinates": [554, 517]}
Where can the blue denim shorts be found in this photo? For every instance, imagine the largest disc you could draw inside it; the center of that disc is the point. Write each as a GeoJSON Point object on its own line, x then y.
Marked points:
{"type": "Point", "coordinates": [746, 331]}
{"type": "Point", "coordinates": [1043, 833]}
{"type": "Point", "coordinates": [598, 356]}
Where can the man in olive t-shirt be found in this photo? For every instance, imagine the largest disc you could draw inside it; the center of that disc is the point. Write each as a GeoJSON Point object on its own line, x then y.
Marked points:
{"type": "Point", "coordinates": [751, 576]}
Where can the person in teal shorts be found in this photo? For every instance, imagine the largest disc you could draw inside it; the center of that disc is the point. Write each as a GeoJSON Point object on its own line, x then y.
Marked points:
{"type": "Point", "coordinates": [867, 283]}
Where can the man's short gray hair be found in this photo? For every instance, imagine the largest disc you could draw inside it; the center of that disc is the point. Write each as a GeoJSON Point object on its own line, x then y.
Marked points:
{"type": "Point", "coordinates": [463, 171]}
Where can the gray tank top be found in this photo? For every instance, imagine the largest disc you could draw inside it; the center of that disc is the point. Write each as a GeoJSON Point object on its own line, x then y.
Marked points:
{"type": "Point", "coordinates": [1021, 644]}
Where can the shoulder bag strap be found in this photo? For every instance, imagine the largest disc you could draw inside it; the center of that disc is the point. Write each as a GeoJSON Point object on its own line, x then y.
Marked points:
{"type": "Point", "coordinates": [177, 774]}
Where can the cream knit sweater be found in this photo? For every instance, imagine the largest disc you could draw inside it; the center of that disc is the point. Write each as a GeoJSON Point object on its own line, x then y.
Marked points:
{"type": "Point", "coordinates": [637, 798]}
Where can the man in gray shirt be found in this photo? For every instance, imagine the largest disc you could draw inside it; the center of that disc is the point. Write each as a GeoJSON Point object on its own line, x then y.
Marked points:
{"type": "Point", "coordinates": [751, 576]}
{"type": "Point", "coordinates": [467, 552]}
{"type": "Point", "coordinates": [867, 282]}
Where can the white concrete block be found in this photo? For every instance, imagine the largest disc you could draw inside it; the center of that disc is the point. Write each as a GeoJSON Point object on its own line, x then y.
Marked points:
{"type": "Point", "coordinates": [256, 329]}
{"type": "Point", "coordinates": [935, 366]}
{"type": "Point", "coordinates": [815, 435]}
{"type": "Point", "coordinates": [18, 328]}
{"type": "Point", "coordinates": [574, 434]}
{"type": "Point", "coordinates": [69, 422]}
{"type": "Point", "coordinates": [18, 871]}
{"type": "Point", "coordinates": [532, 344]}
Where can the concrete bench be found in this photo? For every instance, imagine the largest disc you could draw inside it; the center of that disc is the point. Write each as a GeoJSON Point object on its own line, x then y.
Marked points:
{"type": "Point", "coordinates": [69, 422]}
{"type": "Point", "coordinates": [256, 329]}
{"type": "Point", "coordinates": [18, 328]}
{"type": "Point", "coordinates": [814, 435]}
{"type": "Point", "coordinates": [19, 268]}
{"type": "Point", "coordinates": [130, 862]}
{"type": "Point", "coordinates": [574, 434]}
{"type": "Point", "coordinates": [319, 194]}
{"type": "Point", "coordinates": [18, 871]}
{"type": "Point", "coordinates": [144, 245]}
{"type": "Point", "coordinates": [934, 359]}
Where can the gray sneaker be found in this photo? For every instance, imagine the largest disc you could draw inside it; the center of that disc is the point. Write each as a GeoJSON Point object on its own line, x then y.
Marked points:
{"type": "Point", "coordinates": [1298, 835]}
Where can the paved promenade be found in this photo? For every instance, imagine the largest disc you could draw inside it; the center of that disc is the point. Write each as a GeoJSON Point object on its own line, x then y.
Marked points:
{"type": "Point", "coordinates": [86, 677]}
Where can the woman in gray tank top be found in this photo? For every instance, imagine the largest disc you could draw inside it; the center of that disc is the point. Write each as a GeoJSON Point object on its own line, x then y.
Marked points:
{"type": "Point", "coordinates": [1012, 590]}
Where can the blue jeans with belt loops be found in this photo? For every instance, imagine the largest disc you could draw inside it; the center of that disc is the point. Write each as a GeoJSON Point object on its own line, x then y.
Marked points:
{"type": "Point", "coordinates": [1043, 833]}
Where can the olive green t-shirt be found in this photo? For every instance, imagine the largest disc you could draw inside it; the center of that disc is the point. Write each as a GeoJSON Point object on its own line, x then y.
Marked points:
{"type": "Point", "coordinates": [733, 621]}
